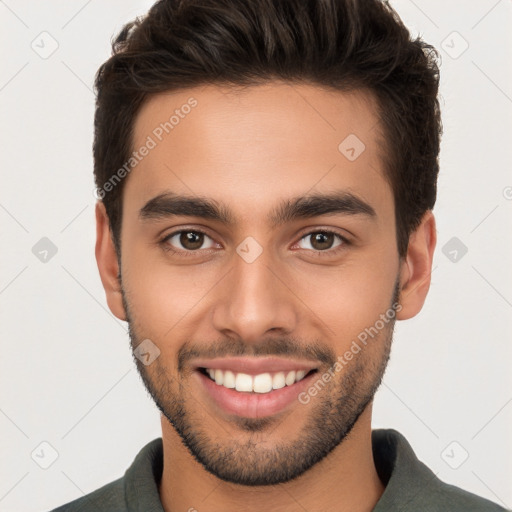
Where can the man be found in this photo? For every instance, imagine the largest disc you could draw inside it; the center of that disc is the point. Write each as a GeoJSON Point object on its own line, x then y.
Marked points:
{"type": "Point", "coordinates": [266, 173]}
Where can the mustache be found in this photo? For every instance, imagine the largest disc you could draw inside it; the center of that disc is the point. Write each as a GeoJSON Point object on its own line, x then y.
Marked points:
{"type": "Point", "coordinates": [312, 351]}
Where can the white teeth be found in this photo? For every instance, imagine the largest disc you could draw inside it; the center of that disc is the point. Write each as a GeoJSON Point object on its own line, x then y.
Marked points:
{"type": "Point", "coordinates": [229, 379]}
{"type": "Point", "coordinates": [219, 377]}
{"type": "Point", "coordinates": [278, 381]}
{"type": "Point", "coordinates": [261, 383]}
{"type": "Point", "coordinates": [243, 382]}
{"type": "Point", "coordinates": [290, 378]}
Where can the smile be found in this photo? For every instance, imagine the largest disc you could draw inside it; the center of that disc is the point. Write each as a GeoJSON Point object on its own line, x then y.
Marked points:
{"type": "Point", "coordinates": [253, 387]}
{"type": "Point", "coordinates": [260, 383]}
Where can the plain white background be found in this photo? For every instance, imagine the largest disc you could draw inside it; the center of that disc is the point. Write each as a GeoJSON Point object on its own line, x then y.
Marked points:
{"type": "Point", "coordinates": [67, 377]}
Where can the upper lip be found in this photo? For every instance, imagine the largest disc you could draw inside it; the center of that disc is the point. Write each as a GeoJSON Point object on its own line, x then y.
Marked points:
{"type": "Point", "coordinates": [254, 365]}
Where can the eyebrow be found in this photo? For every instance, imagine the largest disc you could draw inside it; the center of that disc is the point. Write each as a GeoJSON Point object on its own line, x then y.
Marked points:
{"type": "Point", "coordinates": [169, 204]}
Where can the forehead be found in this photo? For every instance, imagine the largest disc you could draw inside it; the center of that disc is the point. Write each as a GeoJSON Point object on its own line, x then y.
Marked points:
{"type": "Point", "coordinates": [251, 146]}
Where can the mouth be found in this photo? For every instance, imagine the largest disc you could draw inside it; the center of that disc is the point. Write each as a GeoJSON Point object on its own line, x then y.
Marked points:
{"type": "Point", "coordinates": [259, 383]}
{"type": "Point", "coordinates": [253, 393]}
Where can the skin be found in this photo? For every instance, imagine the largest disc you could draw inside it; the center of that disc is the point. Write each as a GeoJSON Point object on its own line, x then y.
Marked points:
{"type": "Point", "coordinates": [250, 149]}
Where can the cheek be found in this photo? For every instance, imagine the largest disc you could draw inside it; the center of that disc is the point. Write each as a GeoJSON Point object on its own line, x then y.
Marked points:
{"type": "Point", "coordinates": [162, 297]}
{"type": "Point", "coordinates": [350, 298]}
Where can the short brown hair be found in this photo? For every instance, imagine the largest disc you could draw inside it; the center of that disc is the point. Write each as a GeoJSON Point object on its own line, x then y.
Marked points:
{"type": "Point", "coordinates": [339, 44]}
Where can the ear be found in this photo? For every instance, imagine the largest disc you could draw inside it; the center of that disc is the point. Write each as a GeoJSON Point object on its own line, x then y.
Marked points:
{"type": "Point", "coordinates": [108, 266]}
{"type": "Point", "coordinates": [417, 268]}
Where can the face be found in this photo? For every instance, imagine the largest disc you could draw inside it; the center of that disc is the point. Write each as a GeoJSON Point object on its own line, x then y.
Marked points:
{"type": "Point", "coordinates": [255, 250]}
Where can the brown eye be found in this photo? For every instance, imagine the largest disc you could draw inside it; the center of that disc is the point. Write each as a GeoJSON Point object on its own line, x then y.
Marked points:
{"type": "Point", "coordinates": [187, 240]}
{"type": "Point", "coordinates": [323, 241]}
{"type": "Point", "coordinates": [191, 240]}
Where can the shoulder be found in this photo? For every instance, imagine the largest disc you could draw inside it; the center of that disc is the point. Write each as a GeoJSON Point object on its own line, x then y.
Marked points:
{"type": "Point", "coordinates": [412, 486]}
{"type": "Point", "coordinates": [109, 498]}
{"type": "Point", "coordinates": [449, 497]}
{"type": "Point", "coordinates": [137, 489]}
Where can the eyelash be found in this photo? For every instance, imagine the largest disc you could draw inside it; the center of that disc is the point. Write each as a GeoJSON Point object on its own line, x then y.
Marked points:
{"type": "Point", "coordinates": [168, 248]}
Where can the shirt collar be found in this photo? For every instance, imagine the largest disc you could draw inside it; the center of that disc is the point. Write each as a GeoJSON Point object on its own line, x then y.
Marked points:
{"type": "Point", "coordinates": [406, 478]}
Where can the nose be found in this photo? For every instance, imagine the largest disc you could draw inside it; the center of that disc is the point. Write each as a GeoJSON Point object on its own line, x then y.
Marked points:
{"type": "Point", "coordinates": [255, 298]}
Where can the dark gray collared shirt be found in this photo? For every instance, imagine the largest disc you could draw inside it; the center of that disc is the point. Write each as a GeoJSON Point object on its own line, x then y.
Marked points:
{"type": "Point", "coordinates": [410, 485]}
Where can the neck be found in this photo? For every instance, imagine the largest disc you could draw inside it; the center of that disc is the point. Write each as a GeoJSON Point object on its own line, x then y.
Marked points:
{"type": "Point", "coordinates": [345, 480]}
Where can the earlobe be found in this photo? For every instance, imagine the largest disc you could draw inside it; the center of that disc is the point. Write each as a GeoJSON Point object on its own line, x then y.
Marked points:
{"type": "Point", "coordinates": [106, 258]}
{"type": "Point", "coordinates": [417, 268]}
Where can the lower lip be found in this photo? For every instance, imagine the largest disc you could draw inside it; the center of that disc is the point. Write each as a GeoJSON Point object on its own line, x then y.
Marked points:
{"type": "Point", "coordinates": [253, 405]}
